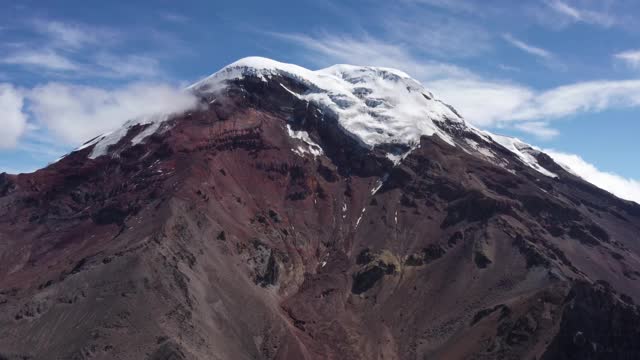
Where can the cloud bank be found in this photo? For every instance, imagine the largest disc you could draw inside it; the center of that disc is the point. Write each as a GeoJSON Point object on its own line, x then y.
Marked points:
{"type": "Point", "coordinates": [624, 188]}
{"type": "Point", "coordinates": [76, 113]}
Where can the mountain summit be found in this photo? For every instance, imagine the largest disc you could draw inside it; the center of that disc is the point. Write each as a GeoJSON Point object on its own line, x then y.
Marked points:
{"type": "Point", "coordinates": [376, 106]}
{"type": "Point", "coordinates": [344, 213]}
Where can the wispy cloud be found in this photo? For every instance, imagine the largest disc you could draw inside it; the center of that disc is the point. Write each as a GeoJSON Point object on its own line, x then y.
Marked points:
{"type": "Point", "coordinates": [329, 49]}
{"type": "Point", "coordinates": [41, 59]}
{"type": "Point", "coordinates": [540, 129]}
{"type": "Point", "coordinates": [530, 49]}
{"type": "Point", "coordinates": [622, 187]}
{"type": "Point", "coordinates": [465, 6]}
{"type": "Point", "coordinates": [508, 68]}
{"type": "Point", "coordinates": [71, 36]}
{"type": "Point", "coordinates": [487, 103]}
{"type": "Point", "coordinates": [590, 96]}
{"type": "Point", "coordinates": [72, 50]}
{"type": "Point", "coordinates": [128, 66]}
{"type": "Point", "coordinates": [483, 102]}
{"type": "Point", "coordinates": [630, 57]}
{"type": "Point", "coordinates": [587, 16]}
{"type": "Point", "coordinates": [175, 18]}
{"type": "Point", "coordinates": [103, 64]}
{"type": "Point", "coordinates": [440, 35]}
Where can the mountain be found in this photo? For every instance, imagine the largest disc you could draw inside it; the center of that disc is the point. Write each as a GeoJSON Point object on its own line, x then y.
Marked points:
{"type": "Point", "coordinates": [344, 213]}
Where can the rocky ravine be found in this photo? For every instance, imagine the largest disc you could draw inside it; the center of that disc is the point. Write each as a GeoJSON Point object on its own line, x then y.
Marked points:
{"type": "Point", "coordinates": [259, 227]}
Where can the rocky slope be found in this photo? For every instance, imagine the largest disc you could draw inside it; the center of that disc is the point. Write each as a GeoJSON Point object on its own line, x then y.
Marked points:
{"type": "Point", "coordinates": [344, 213]}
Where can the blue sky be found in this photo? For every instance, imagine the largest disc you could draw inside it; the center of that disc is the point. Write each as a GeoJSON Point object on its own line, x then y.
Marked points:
{"type": "Point", "coordinates": [560, 74]}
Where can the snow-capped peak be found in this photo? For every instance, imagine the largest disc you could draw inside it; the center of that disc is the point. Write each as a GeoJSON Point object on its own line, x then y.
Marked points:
{"type": "Point", "coordinates": [375, 105]}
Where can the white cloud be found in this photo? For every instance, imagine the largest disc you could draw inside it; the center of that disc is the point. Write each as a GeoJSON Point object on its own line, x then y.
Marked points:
{"type": "Point", "coordinates": [441, 36]}
{"type": "Point", "coordinates": [77, 50]}
{"type": "Point", "coordinates": [75, 113]}
{"type": "Point", "coordinates": [43, 59]}
{"type": "Point", "coordinates": [451, 5]}
{"type": "Point", "coordinates": [508, 68]}
{"type": "Point", "coordinates": [592, 96]}
{"type": "Point", "coordinates": [540, 129]}
{"type": "Point", "coordinates": [175, 18]}
{"type": "Point", "coordinates": [129, 66]}
{"type": "Point", "coordinates": [331, 49]}
{"type": "Point", "coordinates": [622, 187]}
{"type": "Point", "coordinates": [482, 102]}
{"type": "Point", "coordinates": [488, 103]}
{"type": "Point", "coordinates": [104, 64]}
{"type": "Point", "coordinates": [564, 9]}
{"type": "Point", "coordinates": [13, 122]}
{"type": "Point", "coordinates": [536, 51]}
{"type": "Point", "coordinates": [73, 36]}
{"type": "Point", "coordinates": [630, 57]}
{"type": "Point", "coordinates": [600, 18]}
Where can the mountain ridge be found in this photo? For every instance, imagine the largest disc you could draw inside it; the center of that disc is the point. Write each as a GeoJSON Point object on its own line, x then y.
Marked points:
{"type": "Point", "coordinates": [328, 81]}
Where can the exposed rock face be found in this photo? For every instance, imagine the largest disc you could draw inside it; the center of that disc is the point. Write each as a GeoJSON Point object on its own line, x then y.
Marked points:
{"type": "Point", "coordinates": [214, 239]}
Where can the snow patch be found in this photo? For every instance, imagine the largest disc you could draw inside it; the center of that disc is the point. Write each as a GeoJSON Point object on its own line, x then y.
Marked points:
{"type": "Point", "coordinates": [103, 142]}
{"type": "Point", "coordinates": [479, 148]}
{"type": "Point", "coordinates": [375, 189]}
{"type": "Point", "coordinates": [379, 184]}
{"type": "Point", "coordinates": [290, 92]}
{"type": "Point", "coordinates": [523, 151]}
{"type": "Point", "coordinates": [311, 148]}
{"type": "Point", "coordinates": [360, 217]}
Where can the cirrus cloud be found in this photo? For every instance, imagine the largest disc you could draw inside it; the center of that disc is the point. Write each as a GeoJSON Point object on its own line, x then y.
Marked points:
{"type": "Point", "coordinates": [74, 50]}
{"type": "Point", "coordinates": [41, 59]}
{"type": "Point", "coordinates": [587, 16]}
{"type": "Point", "coordinates": [533, 50]}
